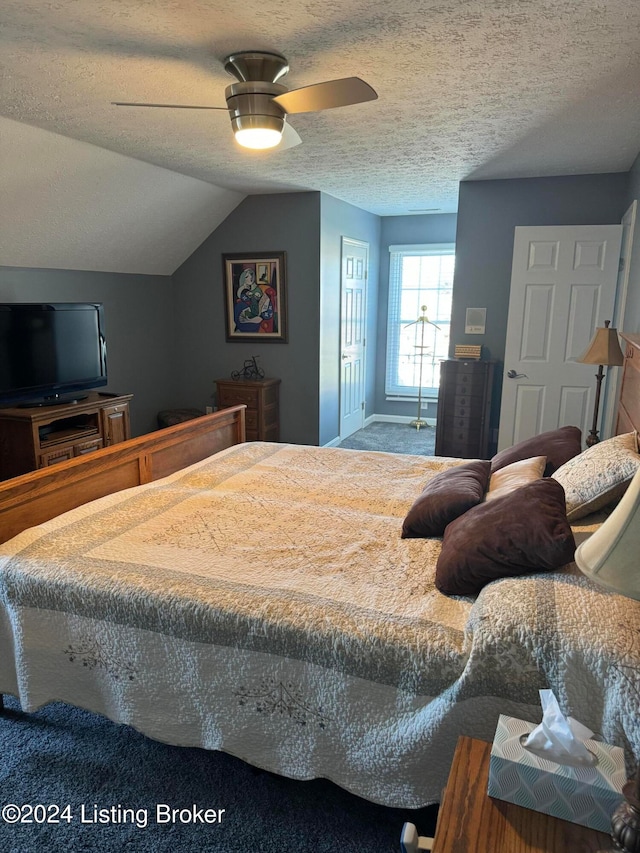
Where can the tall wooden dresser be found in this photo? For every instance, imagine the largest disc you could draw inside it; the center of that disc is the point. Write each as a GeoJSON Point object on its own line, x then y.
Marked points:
{"type": "Point", "coordinates": [464, 407]}
{"type": "Point", "coordinates": [261, 397]}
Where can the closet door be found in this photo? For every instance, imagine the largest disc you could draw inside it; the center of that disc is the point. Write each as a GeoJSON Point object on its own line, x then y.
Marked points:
{"type": "Point", "coordinates": [563, 285]}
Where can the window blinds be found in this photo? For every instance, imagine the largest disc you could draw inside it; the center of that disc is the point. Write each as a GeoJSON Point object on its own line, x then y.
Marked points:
{"type": "Point", "coordinates": [418, 275]}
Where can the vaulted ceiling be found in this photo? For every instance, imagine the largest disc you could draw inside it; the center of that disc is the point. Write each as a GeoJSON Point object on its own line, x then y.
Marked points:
{"type": "Point", "coordinates": [467, 88]}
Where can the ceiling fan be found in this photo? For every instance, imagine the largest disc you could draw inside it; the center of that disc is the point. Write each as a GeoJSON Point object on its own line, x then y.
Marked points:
{"type": "Point", "coordinates": [258, 105]}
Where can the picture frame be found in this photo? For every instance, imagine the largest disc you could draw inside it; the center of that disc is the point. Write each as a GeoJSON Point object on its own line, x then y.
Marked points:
{"type": "Point", "coordinates": [255, 291]}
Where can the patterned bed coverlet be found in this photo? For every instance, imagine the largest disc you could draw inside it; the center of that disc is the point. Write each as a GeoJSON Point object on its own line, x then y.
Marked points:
{"type": "Point", "coordinates": [262, 602]}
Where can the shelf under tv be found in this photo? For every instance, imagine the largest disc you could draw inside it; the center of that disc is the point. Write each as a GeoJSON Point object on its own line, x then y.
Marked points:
{"type": "Point", "coordinates": [64, 435]}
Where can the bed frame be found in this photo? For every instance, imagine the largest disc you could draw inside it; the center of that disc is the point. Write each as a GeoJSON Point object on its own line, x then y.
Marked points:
{"type": "Point", "coordinates": [36, 497]}
{"type": "Point", "coordinates": [629, 407]}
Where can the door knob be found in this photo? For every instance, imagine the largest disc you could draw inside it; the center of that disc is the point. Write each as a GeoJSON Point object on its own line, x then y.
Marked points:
{"type": "Point", "coordinates": [344, 357]}
{"type": "Point", "coordinates": [513, 375]}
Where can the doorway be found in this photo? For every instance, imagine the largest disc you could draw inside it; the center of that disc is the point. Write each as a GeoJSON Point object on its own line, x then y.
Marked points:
{"type": "Point", "coordinates": [353, 303]}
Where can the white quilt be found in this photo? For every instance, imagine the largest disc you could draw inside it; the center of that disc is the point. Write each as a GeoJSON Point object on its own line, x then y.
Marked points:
{"type": "Point", "coordinates": [262, 602]}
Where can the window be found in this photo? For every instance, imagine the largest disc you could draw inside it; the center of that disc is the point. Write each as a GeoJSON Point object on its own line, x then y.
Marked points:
{"type": "Point", "coordinates": [418, 275]}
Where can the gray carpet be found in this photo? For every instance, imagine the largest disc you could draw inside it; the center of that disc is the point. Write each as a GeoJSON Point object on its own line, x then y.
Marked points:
{"type": "Point", "coordinates": [61, 755]}
{"type": "Point", "coordinates": [393, 438]}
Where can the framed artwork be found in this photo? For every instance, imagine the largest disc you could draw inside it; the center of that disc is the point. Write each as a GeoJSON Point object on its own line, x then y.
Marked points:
{"type": "Point", "coordinates": [255, 296]}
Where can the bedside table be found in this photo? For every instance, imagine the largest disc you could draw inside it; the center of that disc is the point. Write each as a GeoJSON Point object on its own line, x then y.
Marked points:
{"type": "Point", "coordinates": [470, 821]}
{"type": "Point", "coordinates": [261, 397]}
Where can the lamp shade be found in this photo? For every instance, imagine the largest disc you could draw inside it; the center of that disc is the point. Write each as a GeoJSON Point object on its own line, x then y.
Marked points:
{"type": "Point", "coordinates": [604, 348]}
{"type": "Point", "coordinates": [611, 555]}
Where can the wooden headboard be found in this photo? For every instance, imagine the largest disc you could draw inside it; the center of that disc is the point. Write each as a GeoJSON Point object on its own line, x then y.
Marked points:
{"type": "Point", "coordinates": [32, 498]}
{"type": "Point", "coordinates": [629, 405]}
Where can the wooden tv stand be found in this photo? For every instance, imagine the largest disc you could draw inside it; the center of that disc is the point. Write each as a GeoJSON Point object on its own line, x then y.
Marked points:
{"type": "Point", "coordinates": [40, 436]}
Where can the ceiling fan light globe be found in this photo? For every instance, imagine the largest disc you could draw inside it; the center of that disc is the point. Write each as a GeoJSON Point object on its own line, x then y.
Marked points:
{"type": "Point", "coordinates": [258, 137]}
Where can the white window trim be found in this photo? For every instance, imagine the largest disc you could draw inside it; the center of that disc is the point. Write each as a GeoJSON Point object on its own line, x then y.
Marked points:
{"type": "Point", "coordinates": [393, 390]}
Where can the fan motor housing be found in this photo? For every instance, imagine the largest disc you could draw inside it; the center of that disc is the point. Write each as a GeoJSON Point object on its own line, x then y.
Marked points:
{"type": "Point", "coordinates": [251, 105]}
{"type": "Point", "coordinates": [246, 65]}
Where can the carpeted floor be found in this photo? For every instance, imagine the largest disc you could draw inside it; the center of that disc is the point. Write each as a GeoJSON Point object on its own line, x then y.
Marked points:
{"type": "Point", "coordinates": [61, 755]}
{"type": "Point", "coordinates": [393, 438]}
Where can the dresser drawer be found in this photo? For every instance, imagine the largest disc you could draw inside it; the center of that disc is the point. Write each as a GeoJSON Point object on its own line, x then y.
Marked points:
{"type": "Point", "coordinates": [229, 395]}
{"type": "Point", "coordinates": [54, 456]}
{"type": "Point", "coordinates": [470, 422]}
{"type": "Point", "coordinates": [85, 447]}
{"type": "Point", "coordinates": [473, 386]}
{"type": "Point", "coordinates": [464, 449]}
{"type": "Point", "coordinates": [260, 396]}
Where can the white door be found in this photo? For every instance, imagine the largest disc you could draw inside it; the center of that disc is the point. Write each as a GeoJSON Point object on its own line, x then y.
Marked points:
{"type": "Point", "coordinates": [355, 261]}
{"type": "Point", "coordinates": [563, 284]}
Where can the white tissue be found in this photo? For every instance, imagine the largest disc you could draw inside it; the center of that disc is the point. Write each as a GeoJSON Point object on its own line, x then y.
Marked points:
{"type": "Point", "coordinates": [559, 738]}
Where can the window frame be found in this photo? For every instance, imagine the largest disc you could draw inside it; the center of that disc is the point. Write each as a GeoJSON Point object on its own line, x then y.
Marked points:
{"type": "Point", "coordinates": [393, 389]}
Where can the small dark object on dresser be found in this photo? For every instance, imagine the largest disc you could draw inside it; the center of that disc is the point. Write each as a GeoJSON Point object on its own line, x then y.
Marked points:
{"type": "Point", "coordinates": [250, 370]}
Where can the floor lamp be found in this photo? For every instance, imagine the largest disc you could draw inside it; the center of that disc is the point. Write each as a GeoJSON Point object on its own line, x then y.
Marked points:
{"type": "Point", "coordinates": [604, 349]}
{"type": "Point", "coordinates": [421, 322]}
{"type": "Point", "coordinates": [610, 557]}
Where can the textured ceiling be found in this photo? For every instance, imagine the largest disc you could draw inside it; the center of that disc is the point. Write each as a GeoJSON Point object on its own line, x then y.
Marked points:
{"type": "Point", "coordinates": [467, 88]}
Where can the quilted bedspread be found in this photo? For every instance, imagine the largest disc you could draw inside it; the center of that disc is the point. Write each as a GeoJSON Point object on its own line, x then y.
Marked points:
{"type": "Point", "coordinates": [262, 602]}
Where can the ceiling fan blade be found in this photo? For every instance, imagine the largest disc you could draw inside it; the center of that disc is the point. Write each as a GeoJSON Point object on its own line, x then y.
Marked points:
{"type": "Point", "coordinates": [167, 106]}
{"type": "Point", "coordinates": [290, 138]}
{"type": "Point", "coordinates": [325, 96]}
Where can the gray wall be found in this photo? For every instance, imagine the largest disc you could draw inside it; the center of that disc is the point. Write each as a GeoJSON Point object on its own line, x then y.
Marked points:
{"type": "Point", "coordinates": [166, 335]}
{"type": "Point", "coordinates": [139, 321]}
{"type": "Point", "coordinates": [632, 312]}
{"type": "Point", "coordinates": [403, 230]}
{"type": "Point", "coordinates": [488, 212]}
{"type": "Point", "coordinates": [339, 219]}
{"type": "Point", "coordinates": [287, 222]}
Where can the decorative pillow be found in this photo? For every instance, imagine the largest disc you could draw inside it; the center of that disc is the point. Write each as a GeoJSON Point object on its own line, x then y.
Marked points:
{"type": "Point", "coordinates": [558, 445]}
{"type": "Point", "coordinates": [512, 477]}
{"type": "Point", "coordinates": [599, 475]}
{"type": "Point", "coordinates": [446, 497]}
{"type": "Point", "coordinates": [521, 533]}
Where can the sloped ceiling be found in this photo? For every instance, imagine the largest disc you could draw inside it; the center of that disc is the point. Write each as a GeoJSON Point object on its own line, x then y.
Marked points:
{"type": "Point", "coordinates": [66, 204]}
{"type": "Point", "coordinates": [467, 89]}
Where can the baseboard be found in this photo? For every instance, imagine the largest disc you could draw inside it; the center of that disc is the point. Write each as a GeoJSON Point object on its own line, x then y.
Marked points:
{"type": "Point", "coordinates": [397, 419]}
{"type": "Point", "coordinates": [334, 443]}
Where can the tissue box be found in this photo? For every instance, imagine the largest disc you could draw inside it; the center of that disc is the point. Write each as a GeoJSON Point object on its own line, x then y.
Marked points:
{"type": "Point", "coordinates": [584, 795]}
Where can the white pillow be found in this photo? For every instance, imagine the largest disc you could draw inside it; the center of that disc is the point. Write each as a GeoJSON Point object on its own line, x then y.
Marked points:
{"type": "Point", "coordinates": [515, 475]}
{"type": "Point", "coordinates": [599, 475]}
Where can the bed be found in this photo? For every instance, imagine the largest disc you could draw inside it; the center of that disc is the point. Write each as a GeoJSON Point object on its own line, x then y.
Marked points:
{"type": "Point", "coordinates": [257, 598]}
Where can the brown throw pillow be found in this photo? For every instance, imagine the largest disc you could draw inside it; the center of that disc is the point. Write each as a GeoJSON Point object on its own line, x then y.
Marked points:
{"type": "Point", "coordinates": [522, 533]}
{"type": "Point", "coordinates": [444, 498]}
{"type": "Point", "coordinates": [558, 445]}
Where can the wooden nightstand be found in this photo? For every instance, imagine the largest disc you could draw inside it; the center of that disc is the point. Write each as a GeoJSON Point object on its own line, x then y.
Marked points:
{"type": "Point", "coordinates": [470, 821]}
{"type": "Point", "coordinates": [261, 397]}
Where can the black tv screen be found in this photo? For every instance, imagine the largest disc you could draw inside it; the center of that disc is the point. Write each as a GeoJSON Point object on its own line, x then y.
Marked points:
{"type": "Point", "coordinates": [50, 350]}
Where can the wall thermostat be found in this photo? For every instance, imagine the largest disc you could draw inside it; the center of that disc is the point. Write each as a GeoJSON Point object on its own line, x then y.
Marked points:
{"type": "Point", "coordinates": [475, 321]}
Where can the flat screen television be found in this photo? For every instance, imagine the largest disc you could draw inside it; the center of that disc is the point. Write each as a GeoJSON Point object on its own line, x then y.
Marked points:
{"type": "Point", "coordinates": [51, 352]}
